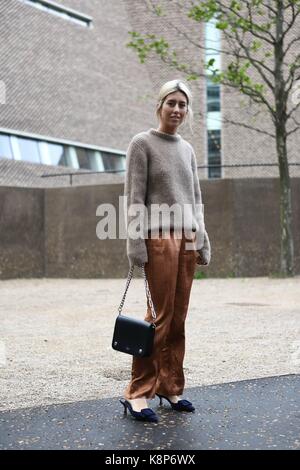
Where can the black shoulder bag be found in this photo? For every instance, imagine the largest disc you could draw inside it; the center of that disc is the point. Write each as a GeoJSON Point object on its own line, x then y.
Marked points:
{"type": "Point", "coordinates": [131, 335]}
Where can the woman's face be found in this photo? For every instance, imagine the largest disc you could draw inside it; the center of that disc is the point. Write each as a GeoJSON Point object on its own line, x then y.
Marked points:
{"type": "Point", "coordinates": [173, 111]}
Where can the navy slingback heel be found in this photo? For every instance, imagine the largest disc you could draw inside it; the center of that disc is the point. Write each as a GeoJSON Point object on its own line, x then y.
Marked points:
{"type": "Point", "coordinates": [146, 414]}
{"type": "Point", "coordinates": [181, 405]}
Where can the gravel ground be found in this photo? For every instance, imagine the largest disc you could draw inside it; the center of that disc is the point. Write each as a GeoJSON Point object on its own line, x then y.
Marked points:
{"type": "Point", "coordinates": [55, 337]}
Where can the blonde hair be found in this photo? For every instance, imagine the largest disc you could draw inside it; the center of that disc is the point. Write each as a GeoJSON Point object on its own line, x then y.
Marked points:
{"type": "Point", "coordinates": [171, 87]}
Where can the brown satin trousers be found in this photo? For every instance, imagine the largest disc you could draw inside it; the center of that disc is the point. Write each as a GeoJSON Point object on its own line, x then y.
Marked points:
{"type": "Point", "coordinates": [170, 272]}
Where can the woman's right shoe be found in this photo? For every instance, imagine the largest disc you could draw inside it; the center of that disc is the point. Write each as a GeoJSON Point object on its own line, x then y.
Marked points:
{"type": "Point", "coordinates": [146, 414]}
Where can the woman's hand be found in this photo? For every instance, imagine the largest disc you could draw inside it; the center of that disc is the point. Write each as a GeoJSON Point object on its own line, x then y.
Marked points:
{"type": "Point", "coordinates": [200, 260]}
{"type": "Point", "coordinates": [204, 254]}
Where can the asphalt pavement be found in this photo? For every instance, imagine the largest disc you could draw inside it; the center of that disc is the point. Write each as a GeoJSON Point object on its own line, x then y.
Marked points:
{"type": "Point", "coordinates": [249, 414]}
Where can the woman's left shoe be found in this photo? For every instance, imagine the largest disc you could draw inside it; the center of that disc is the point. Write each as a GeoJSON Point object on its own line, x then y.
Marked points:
{"type": "Point", "coordinates": [181, 405]}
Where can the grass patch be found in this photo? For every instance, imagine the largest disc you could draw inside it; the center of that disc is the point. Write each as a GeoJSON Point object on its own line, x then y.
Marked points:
{"type": "Point", "coordinates": [200, 275]}
{"type": "Point", "coordinates": [279, 275]}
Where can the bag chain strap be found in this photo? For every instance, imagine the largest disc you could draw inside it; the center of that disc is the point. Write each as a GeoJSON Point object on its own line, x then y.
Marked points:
{"type": "Point", "coordinates": [148, 293]}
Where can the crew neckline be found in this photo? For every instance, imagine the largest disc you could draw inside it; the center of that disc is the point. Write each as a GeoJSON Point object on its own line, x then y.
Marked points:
{"type": "Point", "coordinates": [164, 135]}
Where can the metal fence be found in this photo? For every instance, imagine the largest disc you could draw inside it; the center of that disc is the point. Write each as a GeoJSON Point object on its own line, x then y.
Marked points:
{"type": "Point", "coordinates": [25, 174]}
{"type": "Point", "coordinates": [245, 170]}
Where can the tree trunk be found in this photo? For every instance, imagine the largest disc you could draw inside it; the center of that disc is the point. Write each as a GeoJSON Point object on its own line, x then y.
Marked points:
{"type": "Point", "coordinates": [287, 246]}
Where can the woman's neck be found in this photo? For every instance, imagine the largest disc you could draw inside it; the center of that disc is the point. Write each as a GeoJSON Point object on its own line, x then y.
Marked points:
{"type": "Point", "coordinates": [165, 130]}
{"type": "Point", "coordinates": [166, 135]}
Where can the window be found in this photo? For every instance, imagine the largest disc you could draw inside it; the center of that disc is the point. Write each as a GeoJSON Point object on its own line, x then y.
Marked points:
{"type": "Point", "coordinates": [83, 158]}
{"type": "Point", "coordinates": [61, 11]}
{"type": "Point", "coordinates": [52, 154]}
{"type": "Point", "coordinates": [29, 150]}
{"type": "Point", "coordinates": [73, 155]}
{"type": "Point", "coordinates": [214, 153]}
{"type": "Point", "coordinates": [113, 162]}
{"type": "Point", "coordinates": [212, 43]}
{"type": "Point", "coordinates": [213, 99]}
{"type": "Point", "coordinates": [5, 147]}
{"type": "Point", "coordinates": [213, 96]}
{"type": "Point", "coordinates": [96, 161]}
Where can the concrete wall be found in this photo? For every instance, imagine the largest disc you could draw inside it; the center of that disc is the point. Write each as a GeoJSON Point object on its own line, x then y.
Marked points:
{"type": "Point", "coordinates": [72, 247]}
{"type": "Point", "coordinates": [52, 232]}
{"type": "Point", "coordinates": [22, 233]}
{"type": "Point", "coordinates": [242, 219]}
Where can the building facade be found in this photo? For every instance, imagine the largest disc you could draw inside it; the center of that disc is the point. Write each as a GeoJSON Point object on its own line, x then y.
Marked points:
{"type": "Point", "coordinates": [224, 150]}
{"type": "Point", "coordinates": [72, 94]}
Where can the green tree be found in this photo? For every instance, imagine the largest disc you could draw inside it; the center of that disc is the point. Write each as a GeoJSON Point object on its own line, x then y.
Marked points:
{"type": "Point", "coordinates": [259, 39]}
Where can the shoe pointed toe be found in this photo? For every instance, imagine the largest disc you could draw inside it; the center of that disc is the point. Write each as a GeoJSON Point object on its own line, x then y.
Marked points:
{"type": "Point", "coordinates": [149, 414]}
{"type": "Point", "coordinates": [184, 405]}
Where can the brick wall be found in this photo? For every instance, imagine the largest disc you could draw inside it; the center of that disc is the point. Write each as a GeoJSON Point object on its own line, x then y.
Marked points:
{"type": "Point", "coordinates": [71, 82]}
{"type": "Point", "coordinates": [66, 81]}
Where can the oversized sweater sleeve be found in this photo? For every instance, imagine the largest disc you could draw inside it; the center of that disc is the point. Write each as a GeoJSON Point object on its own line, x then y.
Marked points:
{"type": "Point", "coordinates": [202, 241]}
{"type": "Point", "coordinates": [135, 190]}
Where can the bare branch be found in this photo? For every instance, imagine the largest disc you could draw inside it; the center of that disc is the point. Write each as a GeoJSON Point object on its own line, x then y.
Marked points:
{"type": "Point", "coordinates": [182, 67]}
{"type": "Point", "coordinates": [291, 23]}
{"type": "Point", "coordinates": [292, 111]}
{"type": "Point", "coordinates": [225, 8]}
{"type": "Point", "coordinates": [268, 6]}
{"type": "Point", "coordinates": [248, 126]}
{"type": "Point", "coordinates": [183, 6]}
{"type": "Point", "coordinates": [291, 44]}
{"type": "Point", "coordinates": [291, 78]}
{"type": "Point", "coordinates": [256, 63]}
{"type": "Point", "coordinates": [237, 54]}
{"type": "Point", "coordinates": [293, 130]}
{"type": "Point", "coordinates": [255, 95]}
{"type": "Point", "coordinates": [189, 38]}
{"type": "Point", "coordinates": [197, 44]}
{"type": "Point", "coordinates": [261, 29]}
{"type": "Point", "coordinates": [295, 121]}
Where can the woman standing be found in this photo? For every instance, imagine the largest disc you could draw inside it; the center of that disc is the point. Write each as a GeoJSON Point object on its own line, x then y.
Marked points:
{"type": "Point", "coordinates": [161, 168]}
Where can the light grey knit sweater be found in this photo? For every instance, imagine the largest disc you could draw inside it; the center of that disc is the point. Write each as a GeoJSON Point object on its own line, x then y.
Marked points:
{"type": "Point", "coordinates": [162, 169]}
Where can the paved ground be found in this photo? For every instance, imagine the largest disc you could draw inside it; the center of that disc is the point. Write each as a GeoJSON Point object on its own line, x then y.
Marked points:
{"type": "Point", "coordinates": [55, 344]}
{"type": "Point", "coordinates": [254, 414]}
